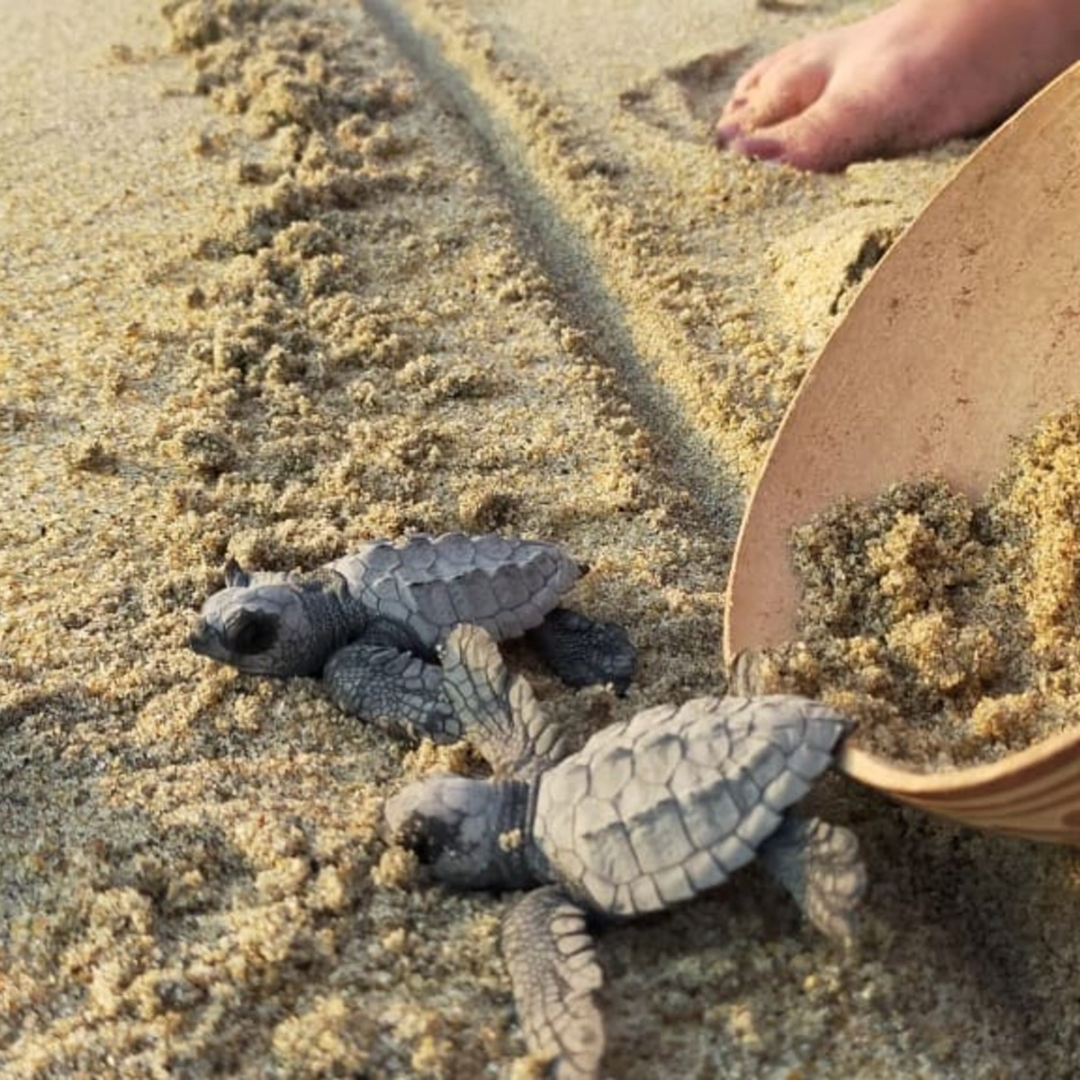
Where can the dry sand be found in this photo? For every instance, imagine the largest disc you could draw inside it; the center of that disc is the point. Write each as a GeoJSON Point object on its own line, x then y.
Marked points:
{"type": "Point", "coordinates": [281, 277]}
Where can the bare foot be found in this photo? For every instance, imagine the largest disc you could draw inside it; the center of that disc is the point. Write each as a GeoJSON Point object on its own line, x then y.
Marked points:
{"type": "Point", "coordinates": [906, 78]}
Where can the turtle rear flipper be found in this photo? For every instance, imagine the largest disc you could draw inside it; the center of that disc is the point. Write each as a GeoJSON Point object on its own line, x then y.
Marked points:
{"type": "Point", "coordinates": [393, 689]}
{"type": "Point", "coordinates": [584, 651]}
{"type": "Point", "coordinates": [820, 865]}
{"type": "Point", "coordinates": [553, 967]}
{"type": "Point", "coordinates": [496, 710]}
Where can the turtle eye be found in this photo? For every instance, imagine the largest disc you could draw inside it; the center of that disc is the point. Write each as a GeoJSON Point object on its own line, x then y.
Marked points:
{"type": "Point", "coordinates": [252, 632]}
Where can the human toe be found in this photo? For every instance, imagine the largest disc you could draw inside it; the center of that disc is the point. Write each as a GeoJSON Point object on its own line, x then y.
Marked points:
{"type": "Point", "coordinates": [820, 139]}
{"type": "Point", "coordinates": [783, 91]}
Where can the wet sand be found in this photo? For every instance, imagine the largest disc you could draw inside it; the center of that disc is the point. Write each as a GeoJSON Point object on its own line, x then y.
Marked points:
{"type": "Point", "coordinates": [280, 278]}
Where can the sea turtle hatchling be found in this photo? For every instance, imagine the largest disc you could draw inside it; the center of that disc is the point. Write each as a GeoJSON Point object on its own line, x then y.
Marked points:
{"type": "Point", "coordinates": [649, 813]}
{"type": "Point", "coordinates": [369, 622]}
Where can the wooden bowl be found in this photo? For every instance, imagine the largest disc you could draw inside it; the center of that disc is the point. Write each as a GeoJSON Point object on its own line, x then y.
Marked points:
{"type": "Point", "coordinates": [965, 336]}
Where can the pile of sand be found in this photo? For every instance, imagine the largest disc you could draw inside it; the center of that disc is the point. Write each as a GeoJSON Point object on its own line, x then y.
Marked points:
{"type": "Point", "coordinates": [946, 626]}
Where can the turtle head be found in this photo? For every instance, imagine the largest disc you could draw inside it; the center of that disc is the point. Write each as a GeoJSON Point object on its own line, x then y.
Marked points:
{"type": "Point", "coordinates": [262, 630]}
{"type": "Point", "coordinates": [471, 833]}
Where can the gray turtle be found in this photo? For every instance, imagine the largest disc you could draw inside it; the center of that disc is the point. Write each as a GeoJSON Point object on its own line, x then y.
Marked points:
{"type": "Point", "coordinates": [649, 813]}
{"type": "Point", "coordinates": [369, 622]}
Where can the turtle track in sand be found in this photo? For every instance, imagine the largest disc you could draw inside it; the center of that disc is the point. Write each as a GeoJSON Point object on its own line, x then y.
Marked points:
{"type": "Point", "coordinates": [503, 128]}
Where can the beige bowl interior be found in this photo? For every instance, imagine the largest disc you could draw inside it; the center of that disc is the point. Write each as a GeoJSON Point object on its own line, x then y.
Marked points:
{"type": "Point", "coordinates": [966, 334]}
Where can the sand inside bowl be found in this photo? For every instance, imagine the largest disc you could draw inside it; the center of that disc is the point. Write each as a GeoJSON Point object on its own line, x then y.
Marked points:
{"type": "Point", "coordinates": [946, 625]}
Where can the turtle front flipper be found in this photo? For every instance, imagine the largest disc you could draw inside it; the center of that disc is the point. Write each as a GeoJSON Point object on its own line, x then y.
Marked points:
{"type": "Point", "coordinates": [820, 865]}
{"type": "Point", "coordinates": [584, 651]}
{"type": "Point", "coordinates": [496, 710]}
{"type": "Point", "coordinates": [393, 689]}
{"type": "Point", "coordinates": [553, 967]}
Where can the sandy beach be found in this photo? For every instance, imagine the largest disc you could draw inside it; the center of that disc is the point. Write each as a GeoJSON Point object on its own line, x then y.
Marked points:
{"type": "Point", "coordinates": [279, 278]}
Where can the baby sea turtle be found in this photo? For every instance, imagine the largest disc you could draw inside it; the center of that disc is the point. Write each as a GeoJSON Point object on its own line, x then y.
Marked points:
{"type": "Point", "coordinates": [649, 813]}
{"type": "Point", "coordinates": [369, 622]}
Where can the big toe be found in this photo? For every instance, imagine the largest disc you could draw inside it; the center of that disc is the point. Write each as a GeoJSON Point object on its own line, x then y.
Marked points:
{"type": "Point", "coordinates": [778, 93]}
{"type": "Point", "coordinates": [826, 137]}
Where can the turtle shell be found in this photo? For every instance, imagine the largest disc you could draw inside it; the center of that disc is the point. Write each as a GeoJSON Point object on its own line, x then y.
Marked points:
{"type": "Point", "coordinates": [504, 584]}
{"type": "Point", "coordinates": [655, 810]}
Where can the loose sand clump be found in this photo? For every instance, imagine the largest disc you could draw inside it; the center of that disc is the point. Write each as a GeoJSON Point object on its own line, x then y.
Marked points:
{"type": "Point", "coordinates": [949, 627]}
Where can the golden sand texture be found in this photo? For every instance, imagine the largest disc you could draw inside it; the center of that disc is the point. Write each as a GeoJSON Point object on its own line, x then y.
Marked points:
{"type": "Point", "coordinates": [278, 278]}
{"type": "Point", "coordinates": [947, 626]}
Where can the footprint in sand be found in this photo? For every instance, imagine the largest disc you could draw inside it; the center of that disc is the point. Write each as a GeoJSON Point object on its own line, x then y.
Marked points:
{"type": "Point", "coordinates": [684, 100]}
